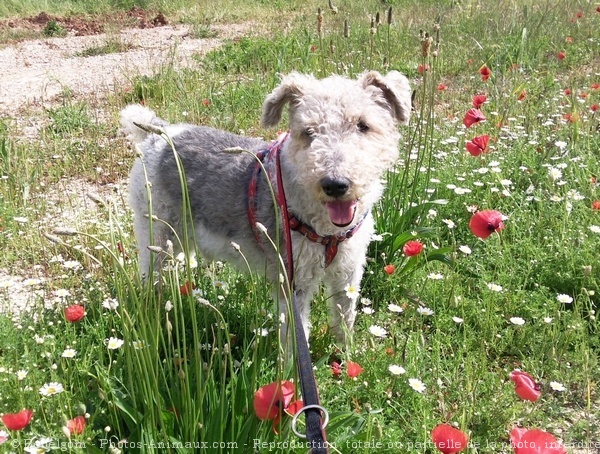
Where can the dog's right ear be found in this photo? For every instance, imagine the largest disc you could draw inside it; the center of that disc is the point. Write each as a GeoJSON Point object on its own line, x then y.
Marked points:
{"type": "Point", "coordinates": [290, 90]}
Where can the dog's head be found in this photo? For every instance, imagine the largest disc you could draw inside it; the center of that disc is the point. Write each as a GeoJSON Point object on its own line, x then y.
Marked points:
{"type": "Point", "coordinates": [344, 136]}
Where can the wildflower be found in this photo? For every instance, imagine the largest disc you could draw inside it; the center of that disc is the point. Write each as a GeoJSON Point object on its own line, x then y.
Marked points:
{"type": "Point", "coordinates": [396, 370]}
{"type": "Point", "coordinates": [525, 386]}
{"type": "Point", "coordinates": [423, 68]}
{"type": "Point", "coordinates": [517, 321]}
{"type": "Point", "coordinates": [76, 425]}
{"type": "Point", "coordinates": [547, 319]}
{"type": "Point", "coordinates": [596, 205]}
{"type": "Point", "coordinates": [336, 369]}
{"type": "Point", "coordinates": [395, 308]}
{"type": "Point", "coordinates": [561, 55]}
{"type": "Point", "coordinates": [3, 436]}
{"type": "Point", "coordinates": [448, 439]}
{"type": "Point", "coordinates": [110, 304]}
{"type": "Point", "coordinates": [17, 421]}
{"type": "Point", "coordinates": [594, 107]}
{"type": "Point", "coordinates": [479, 100]}
{"type": "Point", "coordinates": [494, 287]}
{"type": "Point", "coordinates": [485, 73]}
{"type": "Point", "coordinates": [113, 343]}
{"type": "Point", "coordinates": [272, 399]}
{"type": "Point", "coordinates": [435, 276]}
{"type": "Point", "coordinates": [424, 311]}
{"type": "Point", "coordinates": [412, 248]}
{"type": "Point", "coordinates": [535, 441]}
{"type": "Point", "coordinates": [417, 385]}
{"type": "Point", "coordinates": [51, 389]}
{"type": "Point", "coordinates": [554, 173]}
{"type": "Point", "coordinates": [449, 223]}
{"type": "Point", "coordinates": [484, 223]}
{"type": "Point", "coordinates": [187, 288]}
{"type": "Point", "coordinates": [351, 291]}
{"type": "Point", "coordinates": [353, 369]}
{"type": "Point", "coordinates": [62, 293]}
{"type": "Point", "coordinates": [473, 116]}
{"type": "Point", "coordinates": [565, 299]}
{"type": "Point", "coordinates": [377, 331]}
{"type": "Point", "coordinates": [556, 386]}
{"type": "Point", "coordinates": [74, 313]}
{"type": "Point", "coordinates": [21, 374]}
{"type": "Point", "coordinates": [389, 269]}
{"type": "Point", "coordinates": [69, 353]}
{"type": "Point", "coordinates": [442, 87]}
{"type": "Point", "coordinates": [477, 145]}
{"type": "Point", "coordinates": [465, 249]}
{"type": "Point", "coordinates": [594, 228]}
{"type": "Point", "coordinates": [522, 96]}
{"type": "Point", "coordinates": [457, 320]}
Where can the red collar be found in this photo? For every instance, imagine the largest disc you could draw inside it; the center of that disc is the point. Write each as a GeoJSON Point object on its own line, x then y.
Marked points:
{"type": "Point", "coordinates": [268, 160]}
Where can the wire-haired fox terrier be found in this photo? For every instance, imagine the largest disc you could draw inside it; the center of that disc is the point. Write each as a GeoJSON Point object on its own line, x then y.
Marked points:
{"type": "Point", "coordinates": [342, 138]}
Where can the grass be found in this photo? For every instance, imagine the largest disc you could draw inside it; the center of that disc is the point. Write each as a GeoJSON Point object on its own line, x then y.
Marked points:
{"type": "Point", "coordinates": [191, 361]}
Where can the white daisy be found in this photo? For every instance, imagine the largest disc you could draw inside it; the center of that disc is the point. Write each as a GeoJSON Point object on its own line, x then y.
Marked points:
{"type": "Point", "coordinates": [465, 250]}
{"type": "Point", "coordinates": [494, 287]}
{"type": "Point", "coordinates": [449, 223]}
{"type": "Point", "coordinates": [62, 293]}
{"type": "Point", "coordinates": [424, 311]}
{"type": "Point", "coordinates": [368, 310]}
{"type": "Point", "coordinates": [395, 308]}
{"type": "Point", "coordinates": [377, 331]}
{"type": "Point", "coordinates": [51, 389]}
{"type": "Point", "coordinates": [594, 228]}
{"type": "Point", "coordinates": [21, 374]}
{"type": "Point", "coordinates": [457, 320]}
{"type": "Point", "coordinates": [435, 276]}
{"type": "Point", "coordinates": [517, 321]}
{"type": "Point", "coordinates": [113, 343]}
{"type": "Point", "coordinates": [565, 299]}
{"type": "Point", "coordinates": [556, 386]}
{"type": "Point", "coordinates": [547, 319]}
{"type": "Point", "coordinates": [351, 291]}
{"type": "Point", "coordinates": [110, 304]}
{"type": "Point", "coordinates": [417, 385]}
{"type": "Point", "coordinates": [396, 370]}
{"type": "Point", "coordinates": [69, 353]}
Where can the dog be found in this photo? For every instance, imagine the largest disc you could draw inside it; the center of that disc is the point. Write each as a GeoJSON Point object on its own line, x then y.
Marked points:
{"type": "Point", "coordinates": [343, 136]}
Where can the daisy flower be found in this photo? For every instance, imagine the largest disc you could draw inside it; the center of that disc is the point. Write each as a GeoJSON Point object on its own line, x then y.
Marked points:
{"type": "Point", "coordinates": [21, 374]}
{"type": "Point", "coordinates": [556, 386]}
{"type": "Point", "coordinates": [565, 299]}
{"type": "Point", "coordinates": [465, 250]}
{"type": "Point", "coordinates": [457, 320]}
{"type": "Point", "coordinates": [351, 291]}
{"type": "Point", "coordinates": [377, 331]}
{"type": "Point", "coordinates": [395, 308]}
{"type": "Point", "coordinates": [417, 385]}
{"type": "Point", "coordinates": [424, 311]}
{"type": "Point", "coordinates": [517, 321]}
{"type": "Point", "coordinates": [51, 389]}
{"type": "Point", "coordinates": [113, 343]}
{"type": "Point", "coordinates": [69, 353]}
{"type": "Point", "coordinates": [396, 370]}
{"type": "Point", "coordinates": [494, 287]}
{"type": "Point", "coordinates": [110, 304]}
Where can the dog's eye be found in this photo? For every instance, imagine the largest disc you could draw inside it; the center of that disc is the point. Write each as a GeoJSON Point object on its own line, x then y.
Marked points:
{"type": "Point", "coordinates": [309, 132]}
{"type": "Point", "coordinates": [362, 126]}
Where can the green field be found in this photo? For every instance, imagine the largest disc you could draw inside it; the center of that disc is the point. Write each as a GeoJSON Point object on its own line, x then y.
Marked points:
{"type": "Point", "coordinates": [437, 335]}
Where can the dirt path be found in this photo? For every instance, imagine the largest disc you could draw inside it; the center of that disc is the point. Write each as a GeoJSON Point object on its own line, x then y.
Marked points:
{"type": "Point", "coordinates": [35, 72]}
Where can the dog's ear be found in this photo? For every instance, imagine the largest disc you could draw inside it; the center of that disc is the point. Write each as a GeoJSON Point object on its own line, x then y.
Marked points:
{"type": "Point", "coordinates": [290, 90]}
{"type": "Point", "coordinates": [396, 92]}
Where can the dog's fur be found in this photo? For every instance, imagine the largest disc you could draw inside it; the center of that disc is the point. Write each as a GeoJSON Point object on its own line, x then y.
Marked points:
{"type": "Point", "coordinates": [342, 138]}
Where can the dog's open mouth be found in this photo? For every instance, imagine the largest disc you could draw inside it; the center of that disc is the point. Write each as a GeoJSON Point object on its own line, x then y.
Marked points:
{"type": "Point", "coordinates": [341, 212]}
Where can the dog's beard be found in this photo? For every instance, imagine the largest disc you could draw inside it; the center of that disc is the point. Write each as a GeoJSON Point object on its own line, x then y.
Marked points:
{"type": "Point", "coordinates": [341, 212]}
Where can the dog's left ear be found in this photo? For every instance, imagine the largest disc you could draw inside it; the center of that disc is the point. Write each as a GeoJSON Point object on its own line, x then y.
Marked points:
{"type": "Point", "coordinates": [396, 92]}
{"type": "Point", "coordinates": [290, 90]}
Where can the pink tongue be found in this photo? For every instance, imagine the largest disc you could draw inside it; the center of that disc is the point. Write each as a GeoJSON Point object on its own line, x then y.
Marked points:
{"type": "Point", "coordinates": [341, 212]}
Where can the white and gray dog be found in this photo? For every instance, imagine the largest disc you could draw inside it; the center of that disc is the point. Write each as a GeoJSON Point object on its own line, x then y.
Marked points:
{"type": "Point", "coordinates": [342, 138]}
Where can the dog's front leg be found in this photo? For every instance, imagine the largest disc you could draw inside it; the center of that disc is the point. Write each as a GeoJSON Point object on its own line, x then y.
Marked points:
{"type": "Point", "coordinates": [343, 286]}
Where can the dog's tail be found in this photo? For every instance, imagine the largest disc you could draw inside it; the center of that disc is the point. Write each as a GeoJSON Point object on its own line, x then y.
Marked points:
{"type": "Point", "coordinates": [136, 114]}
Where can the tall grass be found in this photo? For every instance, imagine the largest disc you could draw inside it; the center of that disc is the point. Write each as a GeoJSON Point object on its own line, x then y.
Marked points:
{"type": "Point", "coordinates": [192, 360]}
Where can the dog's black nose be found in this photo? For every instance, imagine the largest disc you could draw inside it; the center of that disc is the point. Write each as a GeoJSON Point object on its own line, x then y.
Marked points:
{"type": "Point", "coordinates": [335, 187]}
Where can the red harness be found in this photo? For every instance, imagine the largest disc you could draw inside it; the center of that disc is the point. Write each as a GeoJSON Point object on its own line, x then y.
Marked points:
{"type": "Point", "coordinates": [269, 160]}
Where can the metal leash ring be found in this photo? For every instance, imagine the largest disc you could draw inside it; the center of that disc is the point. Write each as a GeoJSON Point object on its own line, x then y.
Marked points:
{"type": "Point", "coordinates": [308, 407]}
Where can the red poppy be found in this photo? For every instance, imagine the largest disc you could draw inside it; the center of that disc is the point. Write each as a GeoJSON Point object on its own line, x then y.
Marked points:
{"type": "Point", "coordinates": [206, 102]}
{"type": "Point", "coordinates": [336, 369]}
{"type": "Point", "coordinates": [522, 95]}
{"type": "Point", "coordinates": [567, 91]}
{"type": "Point", "coordinates": [595, 86]}
{"type": "Point", "coordinates": [594, 107]}
{"type": "Point", "coordinates": [389, 269]}
{"type": "Point", "coordinates": [484, 223]}
{"type": "Point", "coordinates": [442, 87]}
{"type": "Point", "coordinates": [187, 288]}
{"type": "Point", "coordinates": [271, 398]}
{"type": "Point", "coordinates": [579, 15]}
{"type": "Point", "coordinates": [423, 68]}
{"type": "Point", "coordinates": [561, 55]}
{"type": "Point", "coordinates": [17, 421]}
{"type": "Point", "coordinates": [294, 407]}
{"type": "Point", "coordinates": [76, 425]}
{"type": "Point", "coordinates": [353, 369]}
{"type": "Point", "coordinates": [472, 117]}
{"type": "Point", "coordinates": [596, 205]}
{"type": "Point", "coordinates": [598, 9]}
{"type": "Point", "coordinates": [74, 313]}
{"type": "Point", "coordinates": [525, 386]}
{"type": "Point", "coordinates": [478, 100]}
{"type": "Point", "coordinates": [485, 72]}
{"type": "Point", "coordinates": [477, 145]}
{"type": "Point", "coordinates": [412, 248]}
{"type": "Point", "coordinates": [569, 39]}
{"type": "Point", "coordinates": [535, 441]}
{"type": "Point", "coordinates": [583, 95]}
{"type": "Point", "coordinates": [448, 439]}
